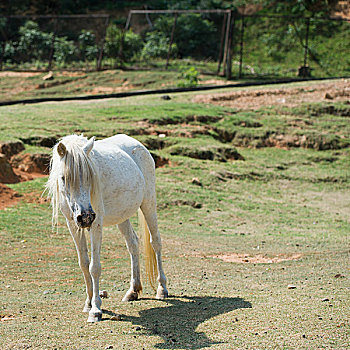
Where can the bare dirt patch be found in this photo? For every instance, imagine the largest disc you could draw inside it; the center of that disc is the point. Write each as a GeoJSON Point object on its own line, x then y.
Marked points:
{"type": "Point", "coordinates": [19, 74]}
{"type": "Point", "coordinates": [32, 163]}
{"type": "Point", "coordinates": [256, 259]}
{"type": "Point", "coordinates": [254, 99]}
{"type": "Point", "coordinates": [18, 167]}
{"type": "Point", "coordinates": [7, 174]}
{"type": "Point", "coordinates": [8, 196]}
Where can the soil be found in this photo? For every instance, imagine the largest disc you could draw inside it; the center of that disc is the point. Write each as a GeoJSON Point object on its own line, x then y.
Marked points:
{"type": "Point", "coordinates": [256, 259]}
{"type": "Point", "coordinates": [19, 74]}
{"type": "Point", "coordinates": [20, 167]}
{"type": "Point", "coordinates": [338, 90]}
{"type": "Point", "coordinates": [8, 196]}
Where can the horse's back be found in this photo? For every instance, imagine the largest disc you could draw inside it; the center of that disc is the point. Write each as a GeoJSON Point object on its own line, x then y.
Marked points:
{"type": "Point", "coordinates": [134, 149]}
{"type": "Point", "coordinates": [120, 140]}
{"type": "Point", "coordinates": [125, 143]}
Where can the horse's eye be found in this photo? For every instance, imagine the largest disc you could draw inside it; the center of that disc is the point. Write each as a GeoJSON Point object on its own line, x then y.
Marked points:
{"type": "Point", "coordinates": [62, 178]}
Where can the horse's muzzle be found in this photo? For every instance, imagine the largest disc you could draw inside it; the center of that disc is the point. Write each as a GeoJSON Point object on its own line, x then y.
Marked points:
{"type": "Point", "coordinates": [85, 219]}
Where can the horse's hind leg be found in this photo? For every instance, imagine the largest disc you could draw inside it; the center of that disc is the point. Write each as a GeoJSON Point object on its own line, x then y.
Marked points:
{"type": "Point", "coordinates": [149, 211]}
{"type": "Point", "coordinates": [132, 242]}
{"type": "Point", "coordinates": [84, 261]}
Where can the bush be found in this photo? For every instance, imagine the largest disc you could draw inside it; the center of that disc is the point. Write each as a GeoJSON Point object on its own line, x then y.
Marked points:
{"type": "Point", "coordinates": [132, 44]}
{"type": "Point", "coordinates": [65, 50]}
{"type": "Point", "coordinates": [113, 41]}
{"type": "Point", "coordinates": [8, 52]}
{"type": "Point", "coordinates": [189, 77]}
{"type": "Point", "coordinates": [157, 46]}
{"type": "Point", "coordinates": [87, 45]}
{"type": "Point", "coordinates": [33, 44]}
{"type": "Point", "coordinates": [194, 36]}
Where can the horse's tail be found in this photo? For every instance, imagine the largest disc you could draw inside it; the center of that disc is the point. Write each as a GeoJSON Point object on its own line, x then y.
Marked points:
{"type": "Point", "coordinates": [150, 256]}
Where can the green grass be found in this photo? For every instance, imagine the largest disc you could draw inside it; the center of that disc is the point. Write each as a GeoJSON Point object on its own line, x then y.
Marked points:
{"type": "Point", "coordinates": [18, 87]}
{"type": "Point", "coordinates": [277, 202]}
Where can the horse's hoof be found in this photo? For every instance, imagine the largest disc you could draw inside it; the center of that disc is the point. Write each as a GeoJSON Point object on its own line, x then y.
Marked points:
{"type": "Point", "coordinates": [162, 293]}
{"type": "Point", "coordinates": [94, 317]}
{"type": "Point", "coordinates": [130, 296]}
{"type": "Point", "coordinates": [87, 308]}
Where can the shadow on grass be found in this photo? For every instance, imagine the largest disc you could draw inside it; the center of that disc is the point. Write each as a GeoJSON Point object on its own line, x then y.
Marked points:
{"type": "Point", "coordinates": [176, 324]}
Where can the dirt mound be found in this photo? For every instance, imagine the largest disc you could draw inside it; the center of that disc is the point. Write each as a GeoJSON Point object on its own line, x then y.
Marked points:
{"type": "Point", "coordinates": [44, 141]}
{"type": "Point", "coordinates": [32, 163]}
{"type": "Point", "coordinates": [7, 175]}
{"type": "Point", "coordinates": [11, 148]}
{"type": "Point", "coordinates": [159, 160]}
{"type": "Point", "coordinates": [21, 167]}
{"type": "Point", "coordinates": [8, 196]}
{"type": "Point", "coordinates": [218, 153]}
{"type": "Point", "coordinates": [254, 99]}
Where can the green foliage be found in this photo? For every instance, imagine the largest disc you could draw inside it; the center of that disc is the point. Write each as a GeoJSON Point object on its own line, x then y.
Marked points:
{"type": "Point", "coordinates": [189, 76]}
{"type": "Point", "coordinates": [305, 7]}
{"type": "Point", "coordinates": [87, 45]}
{"type": "Point", "coordinates": [33, 43]}
{"type": "Point", "coordinates": [157, 46]}
{"type": "Point", "coordinates": [132, 45]}
{"type": "Point", "coordinates": [113, 41]}
{"type": "Point", "coordinates": [65, 50]}
{"type": "Point", "coordinates": [119, 47]}
{"type": "Point", "coordinates": [8, 51]}
{"type": "Point", "coordinates": [194, 36]}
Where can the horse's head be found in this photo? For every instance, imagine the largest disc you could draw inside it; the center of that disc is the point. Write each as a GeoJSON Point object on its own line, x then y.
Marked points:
{"type": "Point", "coordinates": [75, 175]}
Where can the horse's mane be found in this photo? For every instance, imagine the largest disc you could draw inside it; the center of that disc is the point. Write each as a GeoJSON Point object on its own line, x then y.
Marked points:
{"type": "Point", "coordinates": [75, 166]}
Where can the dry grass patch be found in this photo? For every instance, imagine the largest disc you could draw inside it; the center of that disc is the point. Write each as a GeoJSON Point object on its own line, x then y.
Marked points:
{"type": "Point", "coordinates": [256, 259]}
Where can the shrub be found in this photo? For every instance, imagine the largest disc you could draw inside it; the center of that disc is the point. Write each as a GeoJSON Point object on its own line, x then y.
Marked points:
{"type": "Point", "coordinates": [33, 44]}
{"type": "Point", "coordinates": [132, 44]}
{"type": "Point", "coordinates": [87, 45]}
{"type": "Point", "coordinates": [157, 46]}
{"type": "Point", "coordinates": [194, 36]}
{"type": "Point", "coordinates": [64, 50]}
{"type": "Point", "coordinates": [189, 77]}
{"type": "Point", "coordinates": [7, 52]}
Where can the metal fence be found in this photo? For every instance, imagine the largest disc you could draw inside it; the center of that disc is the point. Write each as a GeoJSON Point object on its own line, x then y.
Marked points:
{"type": "Point", "coordinates": [244, 46]}
{"type": "Point", "coordinates": [52, 30]}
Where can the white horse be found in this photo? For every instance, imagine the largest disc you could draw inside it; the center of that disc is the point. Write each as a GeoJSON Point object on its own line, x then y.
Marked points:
{"type": "Point", "coordinates": [105, 183]}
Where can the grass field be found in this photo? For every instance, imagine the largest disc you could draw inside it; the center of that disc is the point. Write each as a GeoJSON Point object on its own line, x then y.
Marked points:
{"type": "Point", "coordinates": [26, 85]}
{"type": "Point", "coordinates": [255, 238]}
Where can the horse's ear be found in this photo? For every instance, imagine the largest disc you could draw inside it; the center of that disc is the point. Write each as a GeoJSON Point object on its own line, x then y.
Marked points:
{"type": "Point", "coordinates": [61, 149]}
{"type": "Point", "coordinates": [89, 145]}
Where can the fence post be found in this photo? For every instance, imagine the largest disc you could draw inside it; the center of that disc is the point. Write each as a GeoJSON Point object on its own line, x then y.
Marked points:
{"type": "Point", "coordinates": [241, 49]}
{"type": "Point", "coordinates": [99, 61]}
{"type": "Point", "coordinates": [229, 50]}
{"type": "Point", "coordinates": [222, 42]}
{"type": "Point", "coordinates": [171, 41]}
{"type": "Point", "coordinates": [128, 21]}
{"type": "Point", "coordinates": [226, 41]}
{"type": "Point", "coordinates": [148, 19]}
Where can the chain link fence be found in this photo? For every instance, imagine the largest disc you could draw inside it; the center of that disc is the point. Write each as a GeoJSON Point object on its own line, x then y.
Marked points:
{"type": "Point", "coordinates": [219, 42]}
{"type": "Point", "coordinates": [52, 42]}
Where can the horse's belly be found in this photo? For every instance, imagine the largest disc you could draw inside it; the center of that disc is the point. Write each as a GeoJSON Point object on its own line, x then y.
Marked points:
{"type": "Point", "coordinates": [115, 214]}
{"type": "Point", "coordinates": [123, 191]}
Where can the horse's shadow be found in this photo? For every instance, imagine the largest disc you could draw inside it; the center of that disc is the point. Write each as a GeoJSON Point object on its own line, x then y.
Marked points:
{"type": "Point", "coordinates": [176, 324]}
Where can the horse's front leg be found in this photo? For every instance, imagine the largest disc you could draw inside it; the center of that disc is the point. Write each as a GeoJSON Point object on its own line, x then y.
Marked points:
{"type": "Point", "coordinates": [95, 314]}
{"type": "Point", "coordinates": [83, 257]}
